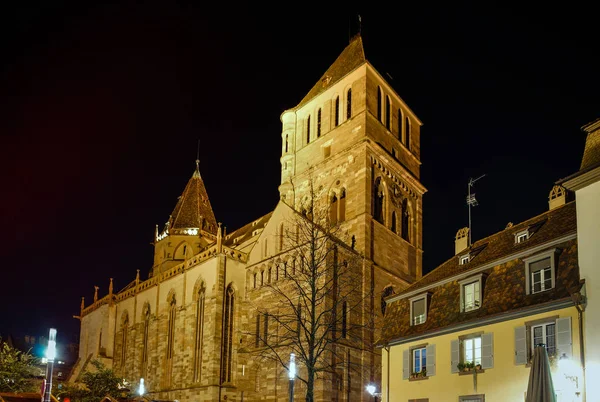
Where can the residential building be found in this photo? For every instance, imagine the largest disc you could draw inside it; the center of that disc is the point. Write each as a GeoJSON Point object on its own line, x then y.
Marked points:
{"type": "Point", "coordinates": [191, 328]}
{"type": "Point", "coordinates": [586, 185]}
{"type": "Point", "coordinates": [466, 330]}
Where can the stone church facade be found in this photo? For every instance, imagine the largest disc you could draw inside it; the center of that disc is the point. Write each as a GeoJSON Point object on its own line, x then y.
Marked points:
{"type": "Point", "coordinates": [188, 328]}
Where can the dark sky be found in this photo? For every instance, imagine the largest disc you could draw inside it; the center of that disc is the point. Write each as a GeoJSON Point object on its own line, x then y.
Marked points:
{"type": "Point", "coordinates": [103, 105]}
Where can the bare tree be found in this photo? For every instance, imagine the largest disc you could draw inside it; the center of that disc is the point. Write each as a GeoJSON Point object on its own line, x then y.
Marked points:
{"type": "Point", "coordinates": [319, 304]}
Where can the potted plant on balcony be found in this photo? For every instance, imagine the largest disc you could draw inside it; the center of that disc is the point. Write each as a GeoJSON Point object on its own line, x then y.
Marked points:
{"type": "Point", "coordinates": [460, 366]}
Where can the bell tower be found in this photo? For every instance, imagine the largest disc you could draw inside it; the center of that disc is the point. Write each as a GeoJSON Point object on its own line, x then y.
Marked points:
{"type": "Point", "coordinates": [356, 139]}
{"type": "Point", "coordinates": [191, 227]}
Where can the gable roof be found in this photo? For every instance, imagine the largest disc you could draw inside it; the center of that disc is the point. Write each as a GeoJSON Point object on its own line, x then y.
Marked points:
{"type": "Point", "coordinates": [503, 279]}
{"type": "Point", "coordinates": [350, 58]}
{"type": "Point", "coordinates": [240, 236]}
{"type": "Point", "coordinates": [193, 206]}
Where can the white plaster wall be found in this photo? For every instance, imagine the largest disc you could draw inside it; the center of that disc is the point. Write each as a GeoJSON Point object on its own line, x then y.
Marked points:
{"type": "Point", "coordinates": [588, 237]}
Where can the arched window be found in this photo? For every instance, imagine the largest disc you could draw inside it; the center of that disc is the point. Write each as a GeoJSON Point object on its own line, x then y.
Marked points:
{"type": "Point", "coordinates": [254, 280]}
{"type": "Point", "coordinates": [285, 269]}
{"type": "Point", "coordinates": [199, 334]}
{"type": "Point", "coordinates": [145, 338]}
{"type": "Point", "coordinates": [124, 327]}
{"type": "Point", "coordinates": [286, 142]}
{"type": "Point", "coordinates": [407, 133]}
{"type": "Point", "coordinates": [226, 356]}
{"type": "Point", "coordinates": [308, 129]}
{"type": "Point", "coordinates": [336, 118]}
{"type": "Point", "coordinates": [349, 104]}
{"type": "Point", "coordinates": [333, 209]}
{"type": "Point", "coordinates": [171, 329]}
{"type": "Point", "coordinates": [388, 112]}
{"type": "Point", "coordinates": [262, 278]}
{"type": "Point", "coordinates": [344, 319]}
{"type": "Point", "coordinates": [257, 335]}
{"type": "Point", "coordinates": [266, 328]}
{"type": "Point", "coordinates": [405, 221]}
{"type": "Point", "coordinates": [342, 206]}
{"type": "Point", "coordinates": [400, 124]}
{"type": "Point", "coordinates": [394, 228]}
{"type": "Point", "coordinates": [293, 267]}
{"type": "Point", "coordinates": [379, 201]}
{"type": "Point", "coordinates": [319, 123]}
{"type": "Point", "coordinates": [388, 291]}
{"type": "Point", "coordinates": [269, 275]}
{"type": "Point", "coordinates": [281, 237]}
{"type": "Point", "coordinates": [379, 103]}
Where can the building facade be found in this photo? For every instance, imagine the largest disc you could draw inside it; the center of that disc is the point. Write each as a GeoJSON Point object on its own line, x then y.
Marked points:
{"type": "Point", "coordinates": [191, 329]}
{"type": "Point", "coordinates": [586, 185]}
{"type": "Point", "coordinates": [466, 331]}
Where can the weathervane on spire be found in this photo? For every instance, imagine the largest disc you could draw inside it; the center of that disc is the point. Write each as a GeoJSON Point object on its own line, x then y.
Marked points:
{"type": "Point", "coordinates": [198, 156]}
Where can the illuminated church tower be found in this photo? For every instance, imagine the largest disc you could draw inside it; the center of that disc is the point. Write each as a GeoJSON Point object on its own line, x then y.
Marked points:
{"type": "Point", "coordinates": [355, 136]}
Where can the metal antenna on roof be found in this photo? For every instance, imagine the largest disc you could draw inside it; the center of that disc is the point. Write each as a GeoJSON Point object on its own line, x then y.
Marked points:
{"type": "Point", "coordinates": [198, 156]}
{"type": "Point", "coordinates": [471, 201]}
{"type": "Point", "coordinates": [359, 25]}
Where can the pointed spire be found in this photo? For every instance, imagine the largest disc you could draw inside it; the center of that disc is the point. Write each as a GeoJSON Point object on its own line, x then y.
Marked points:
{"type": "Point", "coordinates": [193, 209]}
{"type": "Point", "coordinates": [96, 293]}
{"type": "Point", "coordinates": [137, 278]}
{"type": "Point", "coordinates": [219, 239]}
{"type": "Point", "coordinates": [350, 58]}
{"type": "Point", "coordinates": [82, 306]}
{"type": "Point", "coordinates": [110, 287]}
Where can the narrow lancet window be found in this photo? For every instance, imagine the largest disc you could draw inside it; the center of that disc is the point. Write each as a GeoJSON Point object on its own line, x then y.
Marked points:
{"type": "Point", "coordinates": [349, 104]}
{"type": "Point", "coordinates": [124, 341]}
{"type": "Point", "coordinates": [405, 221]}
{"type": "Point", "coordinates": [378, 200]}
{"type": "Point", "coordinates": [379, 103]}
{"type": "Point", "coordinates": [387, 112]}
{"type": "Point", "coordinates": [145, 338]}
{"type": "Point", "coordinates": [333, 209]}
{"type": "Point", "coordinates": [199, 335]}
{"type": "Point", "coordinates": [342, 206]}
{"type": "Point", "coordinates": [308, 129]}
{"type": "Point", "coordinates": [394, 225]}
{"type": "Point", "coordinates": [407, 133]}
{"type": "Point", "coordinates": [319, 123]}
{"type": "Point", "coordinates": [336, 118]}
{"type": "Point", "coordinates": [226, 356]}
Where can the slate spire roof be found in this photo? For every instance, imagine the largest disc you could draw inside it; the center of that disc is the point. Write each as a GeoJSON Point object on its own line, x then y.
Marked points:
{"type": "Point", "coordinates": [193, 207]}
{"type": "Point", "coordinates": [350, 58]}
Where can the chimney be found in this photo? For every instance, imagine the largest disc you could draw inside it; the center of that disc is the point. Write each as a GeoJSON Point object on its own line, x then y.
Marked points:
{"type": "Point", "coordinates": [462, 240]}
{"type": "Point", "coordinates": [557, 197]}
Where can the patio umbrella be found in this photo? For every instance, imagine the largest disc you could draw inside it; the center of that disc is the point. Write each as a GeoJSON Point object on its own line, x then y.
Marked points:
{"type": "Point", "coordinates": [540, 387]}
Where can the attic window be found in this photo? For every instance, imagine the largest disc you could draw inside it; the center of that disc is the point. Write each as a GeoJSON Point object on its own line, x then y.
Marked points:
{"type": "Point", "coordinates": [521, 236]}
{"type": "Point", "coordinates": [326, 80]}
{"type": "Point", "coordinates": [464, 259]}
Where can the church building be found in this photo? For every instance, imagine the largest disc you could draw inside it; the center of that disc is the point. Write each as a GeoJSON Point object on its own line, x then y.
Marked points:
{"type": "Point", "coordinates": [192, 328]}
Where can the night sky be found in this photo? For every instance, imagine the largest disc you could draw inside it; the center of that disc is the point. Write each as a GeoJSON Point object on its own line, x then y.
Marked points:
{"type": "Point", "coordinates": [103, 106]}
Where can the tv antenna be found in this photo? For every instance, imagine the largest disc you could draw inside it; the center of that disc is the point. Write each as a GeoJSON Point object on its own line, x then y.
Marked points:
{"type": "Point", "coordinates": [471, 201]}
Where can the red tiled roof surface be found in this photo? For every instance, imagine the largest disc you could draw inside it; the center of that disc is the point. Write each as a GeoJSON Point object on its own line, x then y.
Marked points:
{"type": "Point", "coordinates": [503, 288]}
{"type": "Point", "coordinates": [350, 58]}
{"type": "Point", "coordinates": [192, 206]}
{"type": "Point", "coordinates": [245, 232]}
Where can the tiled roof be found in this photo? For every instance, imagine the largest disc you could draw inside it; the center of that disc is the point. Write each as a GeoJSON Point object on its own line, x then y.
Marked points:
{"type": "Point", "coordinates": [350, 58]}
{"type": "Point", "coordinates": [246, 232]}
{"type": "Point", "coordinates": [591, 153]}
{"type": "Point", "coordinates": [193, 204]}
{"type": "Point", "coordinates": [503, 288]}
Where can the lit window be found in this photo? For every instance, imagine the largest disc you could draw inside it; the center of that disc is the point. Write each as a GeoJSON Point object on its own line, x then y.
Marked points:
{"type": "Point", "coordinates": [418, 310]}
{"type": "Point", "coordinates": [419, 359]}
{"type": "Point", "coordinates": [471, 296]}
{"type": "Point", "coordinates": [472, 350]}
{"type": "Point", "coordinates": [539, 272]}
{"type": "Point", "coordinates": [464, 259]}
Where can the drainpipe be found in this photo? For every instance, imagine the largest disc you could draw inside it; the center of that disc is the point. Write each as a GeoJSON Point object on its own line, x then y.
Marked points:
{"type": "Point", "coordinates": [387, 385]}
{"type": "Point", "coordinates": [578, 300]}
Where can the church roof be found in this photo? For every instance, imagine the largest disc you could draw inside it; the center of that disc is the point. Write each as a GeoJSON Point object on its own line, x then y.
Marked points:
{"type": "Point", "coordinates": [193, 206]}
{"type": "Point", "coordinates": [350, 58]}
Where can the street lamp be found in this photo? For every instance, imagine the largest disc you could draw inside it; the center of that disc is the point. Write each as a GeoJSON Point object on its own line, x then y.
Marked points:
{"type": "Point", "coordinates": [50, 355]}
{"type": "Point", "coordinates": [371, 389]}
{"type": "Point", "coordinates": [292, 375]}
{"type": "Point", "coordinates": [141, 388]}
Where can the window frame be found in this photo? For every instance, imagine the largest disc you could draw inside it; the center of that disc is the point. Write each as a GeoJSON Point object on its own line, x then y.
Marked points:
{"type": "Point", "coordinates": [414, 299]}
{"type": "Point", "coordinates": [422, 348]}
{"type": "Point", "coordinates": [468, 281]}
{"type": "Point", "coordinates": [542, 325]}
{"type": "Point", "coordinates": [552, 253]}
{"type": "Point", "coordinates": [466, 398]}
{"type": "Point", "coordinates": [462, 258]}
{"type": "Point", "coordinates": [522, 234]}
{"type": "Point", "coordinates": [462, 356]}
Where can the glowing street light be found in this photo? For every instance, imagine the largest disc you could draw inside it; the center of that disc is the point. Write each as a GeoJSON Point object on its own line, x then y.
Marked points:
{"type": "Point", "coordinates": [372, 390]}
{"type": "Point", "coordinates": [292, 375]}
{"type": "Point", "coordinates": [142, 388]}
{"type": "Point", "coordinates": [50, 355]}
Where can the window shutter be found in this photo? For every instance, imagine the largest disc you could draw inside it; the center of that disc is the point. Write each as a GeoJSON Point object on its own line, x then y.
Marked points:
{"type": "Point", "coordinates": [487, 350]}
{"type": "Point", "coordinates": [405, 364]}
{"type": "Point", "coordinates": [454, 355]}
{"type": "Point", "coordinates": [430, 360]}
{"type": "Point", "coordinates": [521, 345]}
{"type": "Point", "coordinates": [564, 344]}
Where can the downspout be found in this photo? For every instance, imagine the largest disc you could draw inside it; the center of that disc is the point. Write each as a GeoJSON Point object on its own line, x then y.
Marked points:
{"type": "Point", "coordinates": [387, 384]}
{"type": "Point", "coordinates": [578, 300]}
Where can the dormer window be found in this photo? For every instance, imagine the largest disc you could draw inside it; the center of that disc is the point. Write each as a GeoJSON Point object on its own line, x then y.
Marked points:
{"type": "Point", "coordinates": [470, 293]}
{"type": "Point", "coordinates": [464, 259]}
{"type": "Point", "coordinates": [520, 237]}
{"type": "Point", "coordinates": [418, 309]}
{"type": "Point", "coordinates": [540, 272]}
